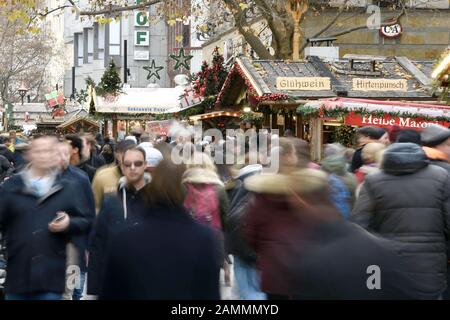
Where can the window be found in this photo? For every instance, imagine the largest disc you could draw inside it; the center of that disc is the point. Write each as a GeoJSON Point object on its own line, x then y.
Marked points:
{"type": "Point", "coordinates": [90, 35]}
{"type": "Point", "coordinates": [80, 48]}
{"type": "Point", "coordinates": [114, 38]}
{"type": "Point", "coordinates": [186, 35]}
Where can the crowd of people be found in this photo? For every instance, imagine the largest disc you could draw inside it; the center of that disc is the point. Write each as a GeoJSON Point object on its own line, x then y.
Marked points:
{"type": "Point", "coordinates": [137, 224]}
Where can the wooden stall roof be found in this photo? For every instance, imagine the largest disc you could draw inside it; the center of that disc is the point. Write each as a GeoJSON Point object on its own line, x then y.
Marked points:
{"type": "Point", "coordinates": [260, 76]}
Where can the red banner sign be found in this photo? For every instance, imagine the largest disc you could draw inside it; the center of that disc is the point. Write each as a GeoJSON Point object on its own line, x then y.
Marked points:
{"type": "Point", "coordinates": [386, 121]}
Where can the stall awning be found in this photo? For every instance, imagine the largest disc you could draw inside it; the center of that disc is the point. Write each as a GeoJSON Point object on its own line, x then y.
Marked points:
{"type": "Point", "coordinates": [143, 100]}
{"type": "Point", "coordinates": [379, 113]}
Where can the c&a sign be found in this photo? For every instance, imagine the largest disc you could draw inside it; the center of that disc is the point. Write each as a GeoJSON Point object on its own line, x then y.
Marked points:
{"type": "Point", "coordinates": [386, 121]}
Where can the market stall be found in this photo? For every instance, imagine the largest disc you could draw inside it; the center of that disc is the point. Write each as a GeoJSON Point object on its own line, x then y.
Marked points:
{"type": "Point", "coordinates": [364, 112]}
{"type": "Point", "coordinates": [133, 108]}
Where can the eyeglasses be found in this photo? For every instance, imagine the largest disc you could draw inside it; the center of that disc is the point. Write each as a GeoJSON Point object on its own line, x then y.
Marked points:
{"type": "Point", "coordinates": [137, 164]}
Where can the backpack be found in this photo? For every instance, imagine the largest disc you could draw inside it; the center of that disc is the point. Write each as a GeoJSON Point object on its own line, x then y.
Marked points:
{"type": "Point", "coordinates": [203, 204]}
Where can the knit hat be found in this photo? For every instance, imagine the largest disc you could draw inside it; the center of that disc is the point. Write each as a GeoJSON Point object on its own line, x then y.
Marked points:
{"type": "Point", "coordinates": [434, 135]}
{"type": "Point", "coordinates": [409, 136]}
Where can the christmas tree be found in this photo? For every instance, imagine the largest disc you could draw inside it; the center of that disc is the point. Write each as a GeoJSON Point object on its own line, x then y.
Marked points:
{"type": "Point", "coordinates": [209, 81]}
{"type": "Point", "coordinates": [110, 84]}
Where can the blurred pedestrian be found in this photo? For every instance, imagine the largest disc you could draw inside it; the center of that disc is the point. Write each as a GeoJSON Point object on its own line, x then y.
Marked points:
{"type": "Point", "coordinates": [273, 229]}
{"type": "Point", "coordinates": [76, 155]}
{"type": "Point", "coordinates": [248, 279]}
{"type": "Point", "coordinates": [107, 150]}
{"type": "Point", "coordinates": [364, 135]}
{"type": "Point", "coordinates": [336, 163]}
{"type": "Point", "coordinates": [409, 202]}
{"type": "Point", "coordinates": [77, 249]}
{"type": "Point", "coordinates": [38, 212]}
{"type": "Point", "coordinates": [409, 136]}
{"type": "Point", "coordinates": [95, 159]}
{"type": "Point", "coordinates": [371, 156]}
{"type": "Point", "coordinates": [436, 141]}
{"type": "Point", "coordinates": [168, 255]}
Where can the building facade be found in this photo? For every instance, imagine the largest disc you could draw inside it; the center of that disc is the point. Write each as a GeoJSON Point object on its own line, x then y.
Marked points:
{"type": "Point", "coordinates": [424, 31]}
{"type": "Point", "coordinates": [136, 38]}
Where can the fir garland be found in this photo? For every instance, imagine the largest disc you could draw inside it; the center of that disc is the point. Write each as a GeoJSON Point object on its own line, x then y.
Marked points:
{"type": "Point", "coordinates": [342, 112]}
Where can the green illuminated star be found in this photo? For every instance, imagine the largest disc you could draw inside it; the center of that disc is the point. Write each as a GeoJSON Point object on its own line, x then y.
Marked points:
{"type": "Point", "coordinates": [153, 70]}
{"type": "Point", "coordinates": [182, 59]}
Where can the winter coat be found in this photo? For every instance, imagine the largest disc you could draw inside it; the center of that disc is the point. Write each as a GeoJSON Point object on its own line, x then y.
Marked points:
{"type": "Point", "coordinates": [335, 263]}
{"type": "Point", "coordinates": [37, 257]}
{"type": "Point", "coordinates": [440, 159]}
{"type": "Point", "coordinates": [409, 202]}
{"type": "Point", "coordinates": [80, 181]}
{"type": "Point", "coordinates": [118, 211]}
{"type": "Point", "coordinates": [166, 256]}
{"type": "Point", "coordinates": [437, 158]}
{"type": "Point", "coordinates": [338, 165]}
{"type": "Point", "coordinates": [340, 195]}
{"type": "Point", "coordinates": [88, 169]}
{"type": "Point", "coordinates": [107, 151]}
{"type": "Point", "coordinates": [239, 200]}
{"type": "Point", "coordinates": [96, 161]}
{"type": "Point", "coordinates": [6, 168]}
{"type": "Point", "coordinates": [357, 161]}
{"type": "Point", "coordinates": [272, 228]}
{"type": "Point", "coordinates": [4, 151]}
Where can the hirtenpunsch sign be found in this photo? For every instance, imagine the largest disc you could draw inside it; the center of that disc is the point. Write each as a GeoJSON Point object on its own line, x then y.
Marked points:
{"type": "Point", "coordinates": [386, 121]}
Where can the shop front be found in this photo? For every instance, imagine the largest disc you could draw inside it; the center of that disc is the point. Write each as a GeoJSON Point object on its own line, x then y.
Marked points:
{"type": "Point", "coordinates": [347, 114]}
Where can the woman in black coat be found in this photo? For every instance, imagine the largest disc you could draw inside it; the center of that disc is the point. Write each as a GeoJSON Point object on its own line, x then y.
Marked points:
{"type": "Point", "coordinates": [409, 203]}
{"type": "Point", "coordinates": [167, 255]}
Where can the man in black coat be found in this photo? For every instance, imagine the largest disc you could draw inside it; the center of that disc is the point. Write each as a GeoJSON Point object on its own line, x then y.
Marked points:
{"type": "Point", "coordinates": [118, 211]}
{"type": "Point", "coordinates": [409, 202]}
{"type": "Point", "coordinates": [38, 212]}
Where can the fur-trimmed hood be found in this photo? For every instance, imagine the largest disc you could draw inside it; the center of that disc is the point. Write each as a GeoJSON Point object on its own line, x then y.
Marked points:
{"type": "Point", "coordinates": [201, 175]}
{"type": "Point", "coordinates": [301, 181]}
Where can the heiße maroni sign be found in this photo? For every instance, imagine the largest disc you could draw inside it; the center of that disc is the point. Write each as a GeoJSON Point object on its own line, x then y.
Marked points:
{"type": "Point", "coordinates": [386, 121]}
{"type": "Point", "coordinates": [303, 83]}
{"type": "Point", "coordinates": [360, 84]}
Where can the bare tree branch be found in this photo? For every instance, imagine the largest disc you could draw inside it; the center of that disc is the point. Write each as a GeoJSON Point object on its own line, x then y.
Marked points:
{"type": "Point", "coordinates": [111, 10]}
{"type": "Point", "coordinates": [246, 30]}
{"type": "Point", "coordinates": [340, 33]}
